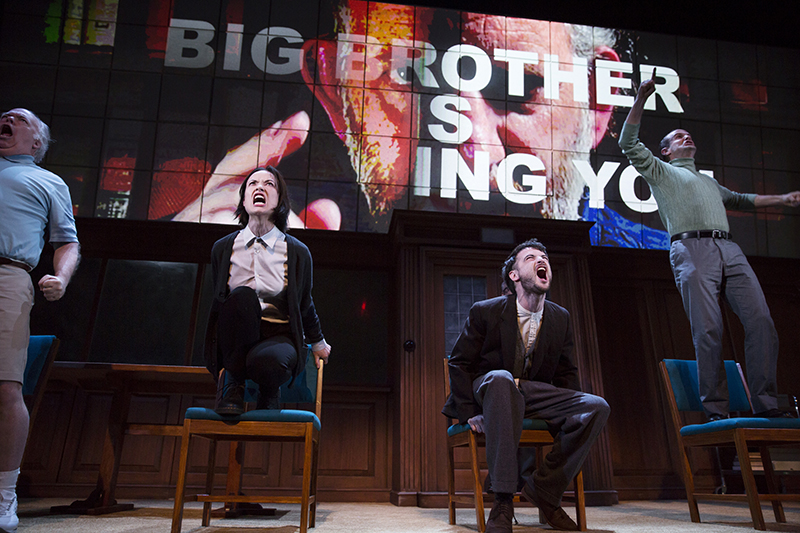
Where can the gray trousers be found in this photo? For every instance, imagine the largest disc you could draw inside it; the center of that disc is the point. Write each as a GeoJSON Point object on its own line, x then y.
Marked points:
{"type": "Point", "coordinates": [575, 419]}
{"type": "Point", "coordinates": [704, 269]}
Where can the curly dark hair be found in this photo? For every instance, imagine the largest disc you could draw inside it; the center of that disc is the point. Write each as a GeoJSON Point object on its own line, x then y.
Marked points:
{"type": "Point", "coordinates": [280, 216]}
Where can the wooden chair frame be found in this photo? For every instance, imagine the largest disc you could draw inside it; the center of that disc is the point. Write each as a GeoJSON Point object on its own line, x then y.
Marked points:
{"type": "Point", "coordinates": [244, 431]}
{"type": "Point", "coordinates": [741, 438]}
{"type": "Point", "coordinates": [537, 438]}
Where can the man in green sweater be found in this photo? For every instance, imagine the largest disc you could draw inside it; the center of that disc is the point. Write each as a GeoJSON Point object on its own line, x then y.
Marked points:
{"type": "Point", "coordinates": [705, 260]}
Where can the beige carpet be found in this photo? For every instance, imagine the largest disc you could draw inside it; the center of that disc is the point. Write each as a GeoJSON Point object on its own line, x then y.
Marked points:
{"type": "Point", "coordinates": [627, 517]}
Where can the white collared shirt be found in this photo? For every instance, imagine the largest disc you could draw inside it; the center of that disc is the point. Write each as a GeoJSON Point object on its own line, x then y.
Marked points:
{"type": "Point", "coordinates": [261, 264]}
{"type": "Point", "coordinates": [529, 323]}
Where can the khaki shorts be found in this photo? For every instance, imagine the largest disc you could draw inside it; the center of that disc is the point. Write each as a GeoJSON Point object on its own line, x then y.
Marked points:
{"type": "Point", "coordinates": [16, 301]}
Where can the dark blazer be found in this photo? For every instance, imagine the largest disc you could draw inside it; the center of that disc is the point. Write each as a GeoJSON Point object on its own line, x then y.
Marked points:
{"type": "Point", "coordinates": [489, 342]}
{"type": "Point", "coordinates": [303, 318]}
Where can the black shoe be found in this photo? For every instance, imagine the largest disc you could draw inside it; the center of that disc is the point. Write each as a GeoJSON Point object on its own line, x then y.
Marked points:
{"type": "Point", "coordinates": [555, 516]}
{"type": "Point", "coordinates": [230, 395]}
{"type": "Point", "coordinates": [715, 417]}
{"type": "Point", "coordinates": [269, 402]}
{"type": "Point", "coordinates": [772, 413]}
{"type": "Point", "coordinates": [501, 516]}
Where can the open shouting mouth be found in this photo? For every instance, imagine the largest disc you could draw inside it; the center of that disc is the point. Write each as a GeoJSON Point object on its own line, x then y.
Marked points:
{"type": "Point", "coordinates": [541, 272]}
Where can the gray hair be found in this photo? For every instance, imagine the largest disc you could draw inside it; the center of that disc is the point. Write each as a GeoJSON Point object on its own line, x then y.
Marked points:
{"type": "Point", "coordinates": [41, 132]}
{"type": "Point", "coordinates": [586, 39]}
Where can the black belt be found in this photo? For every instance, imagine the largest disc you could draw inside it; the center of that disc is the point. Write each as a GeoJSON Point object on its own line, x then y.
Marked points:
{"type": "Point", "coordinates": [703, 234]}
{"type": "Point", "coordinates": [18, 264]}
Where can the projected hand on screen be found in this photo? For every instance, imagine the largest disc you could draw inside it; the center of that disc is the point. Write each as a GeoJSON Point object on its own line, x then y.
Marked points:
{"type": "Point", "coordinates": [220, 194]}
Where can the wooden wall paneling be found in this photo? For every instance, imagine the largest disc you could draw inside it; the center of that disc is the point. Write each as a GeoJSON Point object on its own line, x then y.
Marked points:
{"type": "Point", "coordinates": [351, 445]}
{"type": "Point", "coordinates": [577, 298]}
{"type": "Point", "coordinates": [355, 447]}
{"type": "Point", "coordinates": [640, 455]}
{"type": "Point", "coordinates": [146, 459]}
{"type": "Point", "coordinates": [84, 445]}
{"type": "Point", "coordinates": [43, 453]}
{"type": "Point", "coordinates": [406, 375]}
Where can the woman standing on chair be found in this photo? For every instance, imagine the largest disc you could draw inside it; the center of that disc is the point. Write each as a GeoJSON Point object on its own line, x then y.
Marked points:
{"type": "Point", "coordinates": [262, 313]}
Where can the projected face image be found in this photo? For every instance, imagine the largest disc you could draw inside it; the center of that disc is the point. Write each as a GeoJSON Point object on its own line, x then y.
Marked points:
{"type": "Point", "coordinates": [368, 103]}
{"type": "Point", "coordinates": [387, 91]}
{"type": "Point", "coordinates": [555, 128]}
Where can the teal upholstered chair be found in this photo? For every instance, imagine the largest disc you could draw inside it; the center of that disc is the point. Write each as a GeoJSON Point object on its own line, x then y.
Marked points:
{"type": "Point", "coordinates": [534, 434]}
{"type": "Point", "coordinates": [284, 425]}
{"type": "Point", "coordinates": [680, 382]}
{"type": "Point", "coordinates": [42, 350]}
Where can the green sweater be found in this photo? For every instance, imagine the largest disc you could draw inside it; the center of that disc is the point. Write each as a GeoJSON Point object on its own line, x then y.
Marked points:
{"type": "Point", "coordinates": [687, 200]}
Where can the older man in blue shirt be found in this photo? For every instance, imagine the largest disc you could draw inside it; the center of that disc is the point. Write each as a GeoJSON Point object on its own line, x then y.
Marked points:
{"type": "Point", "coordinates": [31, 201]}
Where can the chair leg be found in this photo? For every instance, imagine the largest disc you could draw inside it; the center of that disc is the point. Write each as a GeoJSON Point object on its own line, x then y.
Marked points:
{"type": "Point", "coordinates": [312, 519]}
{"type": "Point", "coordinates": [212, 462]}
{"type": "Point", "coordinates": [580, 501]}
{"type": "Point", "coordinates": [177, 511]}
{"type": "Point", "coordinates": [308, 451]}
{"type": "Point", "coordinates": [772, 486]}
{"type": "Point", "coordinates": [749, 482]}
{"type": "Point", "coordinates": [480, 514]}
{"type": "Point", "coordinates": [688, 483]}
{"type": "Point", "coordinates": [539, 461]}
{"type": "Point", "coordinates": [451, 484]}
{"type": "Point", "coordinates": [233, 480]}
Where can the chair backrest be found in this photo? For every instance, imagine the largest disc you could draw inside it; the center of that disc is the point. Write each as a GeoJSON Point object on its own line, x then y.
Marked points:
{"type": "Point", "coordinates": [307, 386]}
{"type": "Point", "coordinates": [685, 389]}
{"type": "Point", "coordinates": [42, 351]}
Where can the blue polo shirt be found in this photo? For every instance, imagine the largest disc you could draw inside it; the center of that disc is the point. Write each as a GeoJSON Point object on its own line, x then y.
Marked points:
{"type": "Point", "coordinates": [32, 199]}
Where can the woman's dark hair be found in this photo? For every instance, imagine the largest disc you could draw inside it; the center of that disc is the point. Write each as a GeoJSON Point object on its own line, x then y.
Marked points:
{"type": "Point", "coordinates": [280, 216]}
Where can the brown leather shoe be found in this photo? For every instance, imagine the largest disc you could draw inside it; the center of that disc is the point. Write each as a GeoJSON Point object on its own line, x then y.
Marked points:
{"type": "Point", "coordinates": [556, 517]}
{"type": "Point", "coordinates": [501, 516]}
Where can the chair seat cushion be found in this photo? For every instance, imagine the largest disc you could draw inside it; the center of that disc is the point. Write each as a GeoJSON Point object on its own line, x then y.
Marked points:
{"type": "Point", "coordinates": [527, 424]}
{"type": "Point", "coordinates": [733, 423]}
{"type": "Point", "coordinates": [256, 415]}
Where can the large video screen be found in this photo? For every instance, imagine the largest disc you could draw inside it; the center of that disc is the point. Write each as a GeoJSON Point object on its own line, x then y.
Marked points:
{"type": "Point", "coordinates": [160, 108]}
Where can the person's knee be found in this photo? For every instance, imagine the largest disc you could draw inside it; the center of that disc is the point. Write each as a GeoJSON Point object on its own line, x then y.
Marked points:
{"type": "Point", "coordinates": [500, 385]}
{"type": "Point", "coordinates": [263, 369]}
{"type": "Point", "coordinates": [10, 393]}
{"type": "Point", "coordinates": [496, 378]}
{"type": "Point", "coordinates": [242, 298]}
{"type": "Point", "coordinates": [598, 406]}
{"type": "Point", "coordinates": [762, 322]}
{"type": "Point", "coordinates": [12, 404]}
{"type": "Point", "coordinates": [271, 362]}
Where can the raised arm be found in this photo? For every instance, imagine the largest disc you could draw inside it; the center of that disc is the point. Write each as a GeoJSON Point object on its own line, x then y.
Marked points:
{"type": "Point", "coordinates": [646, 88]}
{"type": "Point", "coordinates": [790, 199]}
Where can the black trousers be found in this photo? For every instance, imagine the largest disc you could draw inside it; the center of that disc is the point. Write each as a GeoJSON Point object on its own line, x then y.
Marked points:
{"type": "Point", "coordinates": [253, 348]}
